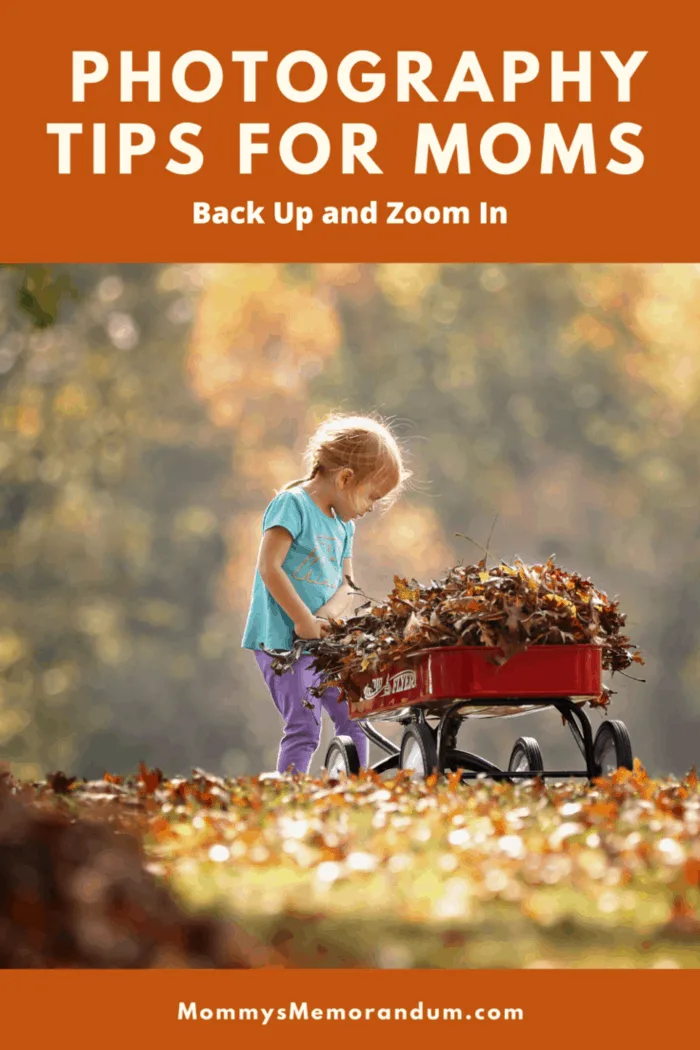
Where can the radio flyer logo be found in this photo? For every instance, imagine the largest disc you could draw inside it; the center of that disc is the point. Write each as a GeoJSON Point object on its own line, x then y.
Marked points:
{"type": "Point", "coordinates": [402, 682]}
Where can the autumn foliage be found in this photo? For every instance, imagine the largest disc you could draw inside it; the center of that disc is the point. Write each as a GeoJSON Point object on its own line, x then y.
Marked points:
{"type": "Point", "coordinates": [75, 891]}
{"type": "Point", "coordinates": [508, 607]}
{"type": "Point", "coordinates": [294, 870]}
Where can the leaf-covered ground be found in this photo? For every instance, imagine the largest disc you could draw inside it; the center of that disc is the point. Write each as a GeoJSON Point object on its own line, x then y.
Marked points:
{"type": "Point", "coordinates": [395, 873]}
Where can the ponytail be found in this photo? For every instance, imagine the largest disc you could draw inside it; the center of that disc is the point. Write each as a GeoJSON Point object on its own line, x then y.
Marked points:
{"type": "Point", "coordinates": [316, 469]}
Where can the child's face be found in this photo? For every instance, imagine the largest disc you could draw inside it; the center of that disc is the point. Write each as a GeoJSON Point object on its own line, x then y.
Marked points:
{"type": "Point", "coordinates": [353, 500]}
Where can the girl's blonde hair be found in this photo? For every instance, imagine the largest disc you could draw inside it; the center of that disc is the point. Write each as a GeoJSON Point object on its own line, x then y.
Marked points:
{"type": "Point", "coordinates": [365, 444]}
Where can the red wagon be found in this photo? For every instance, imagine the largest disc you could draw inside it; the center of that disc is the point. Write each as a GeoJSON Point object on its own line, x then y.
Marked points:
{"type": "Point", "coordinates": [433, 691]}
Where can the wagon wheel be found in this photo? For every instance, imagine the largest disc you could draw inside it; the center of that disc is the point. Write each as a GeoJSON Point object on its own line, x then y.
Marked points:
{"type": "Point", "coordinates": [342, 757]}
{"type": "Point", "coordinates": [418, 750]}
{"type": "Point", "coordinates": [612, 748]}
{"type": "Point", "coordinates": [526, 756]}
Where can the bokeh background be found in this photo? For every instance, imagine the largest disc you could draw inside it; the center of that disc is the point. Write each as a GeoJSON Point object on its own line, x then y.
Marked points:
{"type": "Point", "coordinates": [148, 413]}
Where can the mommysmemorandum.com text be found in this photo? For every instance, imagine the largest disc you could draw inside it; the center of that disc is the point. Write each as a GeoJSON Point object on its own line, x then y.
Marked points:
{"type": "Point", "coordinates": [303, 1011]}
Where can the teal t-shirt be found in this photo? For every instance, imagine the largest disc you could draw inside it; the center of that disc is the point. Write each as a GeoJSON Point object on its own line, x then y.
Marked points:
{"type": "Point", "coordinates": [314, 564]}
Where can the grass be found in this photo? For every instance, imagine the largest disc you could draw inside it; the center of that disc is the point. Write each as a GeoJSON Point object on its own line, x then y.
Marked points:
{"type": "Point", "coordinates": [394, 873]}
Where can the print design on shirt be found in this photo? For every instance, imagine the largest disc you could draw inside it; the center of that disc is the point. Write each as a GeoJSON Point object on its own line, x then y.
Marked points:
{"type": "Point", "coordinates": [311, 570]}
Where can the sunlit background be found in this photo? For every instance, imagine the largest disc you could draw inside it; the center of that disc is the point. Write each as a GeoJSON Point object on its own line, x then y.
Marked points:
{"type": "Point", "coordinates": [148, 413]}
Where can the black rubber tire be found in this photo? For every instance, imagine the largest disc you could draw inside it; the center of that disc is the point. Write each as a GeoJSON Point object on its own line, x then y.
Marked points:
{"type": "Point", "coordinates": [418, 741]}
{"type": "Point", "coordinates": [612, 748]}
{"type": "Point", "coordinates": [342, 757]}
{"type": "Point", "coordinates": [526, 756]}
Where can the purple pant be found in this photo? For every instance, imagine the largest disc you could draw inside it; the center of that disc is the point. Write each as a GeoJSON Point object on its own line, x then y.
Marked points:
{"type": "Point", "coordinates": [302, 726]}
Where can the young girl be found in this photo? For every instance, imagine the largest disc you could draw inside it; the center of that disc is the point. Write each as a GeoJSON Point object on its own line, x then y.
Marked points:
{"type": "Point", "coordinates": [354, 463]}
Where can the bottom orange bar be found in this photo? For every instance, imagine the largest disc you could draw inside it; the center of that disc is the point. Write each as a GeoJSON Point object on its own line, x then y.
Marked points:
{"type": "Point", "coordinates": [348, 1008]}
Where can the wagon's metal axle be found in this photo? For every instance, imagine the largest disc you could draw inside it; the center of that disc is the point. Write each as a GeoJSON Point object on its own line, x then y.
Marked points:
{"type": "Point", "coordinates": [449, 757]}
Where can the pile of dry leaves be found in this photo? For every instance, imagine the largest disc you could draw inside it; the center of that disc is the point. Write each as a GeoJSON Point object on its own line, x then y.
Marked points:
{"type": "Point", "coordinates": [75, 891]}
{"type": "Point", "coordinates": [508, 607]}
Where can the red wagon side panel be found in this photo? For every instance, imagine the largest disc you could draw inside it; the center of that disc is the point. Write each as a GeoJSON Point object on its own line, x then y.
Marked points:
{"type": "Point", "coordinates": [471, 673]}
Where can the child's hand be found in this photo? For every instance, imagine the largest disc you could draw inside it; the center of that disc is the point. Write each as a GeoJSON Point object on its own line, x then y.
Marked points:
{"type": "Point", "coordinates": [310, 627]}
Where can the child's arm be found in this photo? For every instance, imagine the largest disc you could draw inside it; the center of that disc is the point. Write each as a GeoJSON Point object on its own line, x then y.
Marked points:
{"type": "Point", "coordinates": [273, 550]}
{"type": "Point", "coordinates": [340, 604]}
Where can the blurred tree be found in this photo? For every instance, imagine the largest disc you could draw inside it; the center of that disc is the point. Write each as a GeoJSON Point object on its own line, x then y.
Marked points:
{"type": "Point", "coordinates": [115, 494]}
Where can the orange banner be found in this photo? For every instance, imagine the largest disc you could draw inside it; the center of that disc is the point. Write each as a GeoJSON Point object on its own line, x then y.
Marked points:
{"type": "Point", "coordinates": [343, 1008]}
{"type": "Point", "coordinates": [446, 132]}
